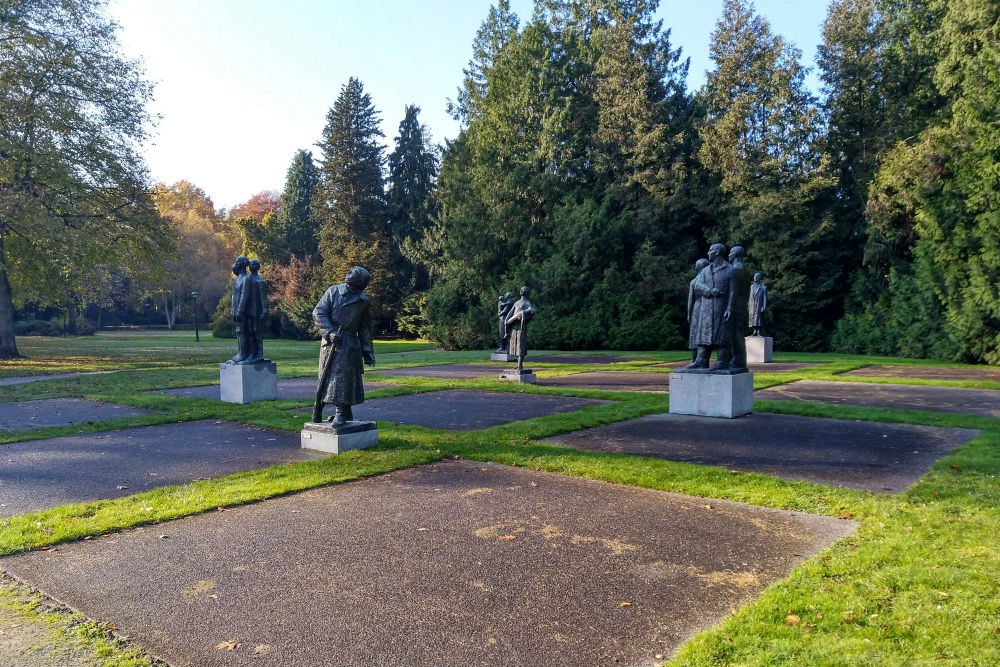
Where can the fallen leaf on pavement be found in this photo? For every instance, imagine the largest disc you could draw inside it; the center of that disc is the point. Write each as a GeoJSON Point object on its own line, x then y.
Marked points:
{"type": "Point", "coordinates": [228, 646]}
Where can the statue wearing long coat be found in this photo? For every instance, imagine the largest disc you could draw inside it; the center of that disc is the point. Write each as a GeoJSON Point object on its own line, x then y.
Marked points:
{"type": "Point", "coordinates": [709, 326]}
{"type": "Point", "coordinates": [345, 312]}
{"type": "Point", "coordinates": [757, 304]}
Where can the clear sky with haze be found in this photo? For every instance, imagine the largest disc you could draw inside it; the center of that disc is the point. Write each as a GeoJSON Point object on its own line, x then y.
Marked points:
{"type": "Point", "coordinates": [242, 84]}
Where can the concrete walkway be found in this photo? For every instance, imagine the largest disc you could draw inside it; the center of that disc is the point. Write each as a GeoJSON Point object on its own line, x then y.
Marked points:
{"type": "Point", "coordinates": [459, 563]}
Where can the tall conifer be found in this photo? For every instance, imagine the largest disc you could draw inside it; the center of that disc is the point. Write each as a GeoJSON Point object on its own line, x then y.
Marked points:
{"type": "Point", "coordinates": [349, 201]}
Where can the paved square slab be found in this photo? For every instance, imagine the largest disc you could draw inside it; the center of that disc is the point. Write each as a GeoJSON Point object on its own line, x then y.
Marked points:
{"type": "Point", "coordinates": [611, 381]}
{"type": "Point", "coordinates": [928, 372]}
{"type": "Point", "coordinates": [448, 371]}
{"type": "Point", "coordinates": [456, 564]}
{"type": "Point", "coordinates": [60, 412]}
{"type": "Point", "coordinates": [466, 410]}
{"type": "Point", "coordinates": [287, 388]}
{"type": "Point", "coordinates": [858, 455]}
{"type": "Point", "coordinates": [770, 367]}
{"type": "Point", "coordinates": [42, 474]}
{"type": "Point", "coordinates": [579, 359]}
{"type": "Point", "coordinates": [901, 396]}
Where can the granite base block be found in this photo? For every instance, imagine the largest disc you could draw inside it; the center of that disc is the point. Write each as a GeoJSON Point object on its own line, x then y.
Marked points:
{"type": "Point", "coordinates": [502, 356]}
{"type": "Point", "coordinates": [247, 383]}
{"type": "Point", "coordinates": [711, 395]}
{"type": "Point", "coordinates": [526, 377]}
{"type": "Point", "coordinates": [325, 438]}
{"type": "Point", "coordinates": [759, 349]}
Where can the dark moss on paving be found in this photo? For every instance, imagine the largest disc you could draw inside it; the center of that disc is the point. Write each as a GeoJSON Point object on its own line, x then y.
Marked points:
{"type": "Point", "coordinates": [459, 563]}
{"type": "Point", "coordinates": [42, 474]}
{"type": "Point", "coordinates": [879, 395]}
{"type": "Point", "coordinates": [928, 373]}
{"type": "Point", "coordinates": [466, 410]}
{"type": "Point", "coordinates": [859, 455]}
{"type": "Point", "coordinates": [60, 412]}
{"type": "Point", "coordinates": [287, 388]}
{"type": "Point", "coordinates": [610, 381]}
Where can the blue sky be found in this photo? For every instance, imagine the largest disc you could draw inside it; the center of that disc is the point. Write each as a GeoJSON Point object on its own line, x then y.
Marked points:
{"type": "Point", "coordinates": [242, 84]}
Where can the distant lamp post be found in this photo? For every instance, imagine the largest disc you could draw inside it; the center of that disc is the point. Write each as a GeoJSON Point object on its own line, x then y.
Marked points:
{"type": "Point", "coordinates": [194, 295]}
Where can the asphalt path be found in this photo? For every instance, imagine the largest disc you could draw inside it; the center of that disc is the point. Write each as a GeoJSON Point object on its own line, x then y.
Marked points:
{"type": "Point", "coordinates": [459, 563]}
{"type": "Point", "coordinates": [873, 456]}
{"type": "Point", "coordinates": [41, 474]}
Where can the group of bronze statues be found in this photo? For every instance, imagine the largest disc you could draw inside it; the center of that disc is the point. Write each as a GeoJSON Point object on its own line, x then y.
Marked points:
{"type": "Point", "coordinates": [720, 296]}
{"type": "Point", "coordinates": [514, 317]}
{"type": "Point", "coordinates": [249, 306]}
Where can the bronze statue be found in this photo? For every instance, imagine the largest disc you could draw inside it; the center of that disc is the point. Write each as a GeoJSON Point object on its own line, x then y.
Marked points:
{"type": "Point", "coordinates": [693, 303]}
{"type": "Point", "coordinates": [741, 292]}
{"type": "Point", "coordinates": [757, 304]}
{"type": "Point", "coordinates": [343, 319]}
{"type": "Point", "coordinates": [517, 327]}
{"type": "Point", "coordinates": [248, 308]}
{"type": "Point", "coordinates": [709, 329]}
{"type": "Point", "coordinates": [504, 304]}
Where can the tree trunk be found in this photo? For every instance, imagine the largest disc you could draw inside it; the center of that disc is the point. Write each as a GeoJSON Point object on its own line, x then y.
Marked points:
{"type": "Point", "coordinates": [8, 346]}
{"type": "Point", "coordinates": [170, 309]}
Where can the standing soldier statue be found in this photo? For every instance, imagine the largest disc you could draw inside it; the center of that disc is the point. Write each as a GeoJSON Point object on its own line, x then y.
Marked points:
{"type": "Point", "coordinates": [343, 319]}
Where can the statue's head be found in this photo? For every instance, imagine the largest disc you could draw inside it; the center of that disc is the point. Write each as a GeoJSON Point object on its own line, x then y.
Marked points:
{"type": "Point", "coordinates": [525, 291]}
{"type": "Point", "coordinates": [240, 265]}
{"type": "Point", "coordinates": [508, 296]}
{"type": "Point", "coordinates": [701, 264]}
{"type": "Point", "coordinates": [254, 265]}
{"type": "Point", "coordinates": [736, 252]}
{"type": "Point", "coordinates": [757, 277]}
{"type": "Point", "coordinates": [358, 277]}
{"type": "Point", "coordinates": [715, 250]}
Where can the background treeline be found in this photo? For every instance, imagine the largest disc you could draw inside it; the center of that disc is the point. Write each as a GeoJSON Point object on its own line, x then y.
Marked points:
{"type": "Point", "coordinates": [586, 169]}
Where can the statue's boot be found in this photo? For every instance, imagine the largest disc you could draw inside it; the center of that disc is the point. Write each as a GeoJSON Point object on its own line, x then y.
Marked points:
{"type": "Point", "coordinates": [318, 413]}
{"type": "Point", "coordinates": [348, 413]}
{"type": "Point", "coordinates": [339, 418]}
{"type": "Point", "coordinates": [701, 359]}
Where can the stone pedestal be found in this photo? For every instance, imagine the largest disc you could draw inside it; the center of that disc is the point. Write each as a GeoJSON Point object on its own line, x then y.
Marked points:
{"type": "Point", "coordinates": [246, 383]}
{"type": "Point", "coordinates": [502, 356]}
{"type": "Point", "coordinates": [525, 376]}
{"type": "Point", "coordinates": [759, 349]}
{"type": "Point", "coordinates": [711, 394]}
{"type": "Point", "coordinates": [352, 435]}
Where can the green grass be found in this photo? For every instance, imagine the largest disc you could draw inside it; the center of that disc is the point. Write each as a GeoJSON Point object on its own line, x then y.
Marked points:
{"type": "Point", "coordinates": [916, 584]}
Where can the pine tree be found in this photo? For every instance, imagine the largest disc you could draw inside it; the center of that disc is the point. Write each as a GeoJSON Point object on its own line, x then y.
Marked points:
{"type": "Point", "coordinates": [413, 167]}
{"type": "Point", "coordinates": [295, 217]}
{"type": "Point", "coordinates": [568, 176]}
{"type": "Point", "coordinates": [761, 137]}
{"type": "Point", "coordinates": [349, 202]}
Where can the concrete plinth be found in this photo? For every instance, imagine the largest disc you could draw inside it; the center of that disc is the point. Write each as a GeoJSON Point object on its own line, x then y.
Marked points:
{"type": "Point", "coordinates": [524, 376]}
{"type": "Point", "coordinates": [352, 435]}
{"type": "Point", "coordinates": [502, 356]}
{"type": "Point", "coordinates": [759, 349]}
{"type": "Point", "coordinates": [246, 383]}
{"type": "Point", "coordinates": [711, 395]}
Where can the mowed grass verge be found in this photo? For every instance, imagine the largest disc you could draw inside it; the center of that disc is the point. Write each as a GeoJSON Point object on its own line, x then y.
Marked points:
{"type": "Point", "coordinates": [915, 585]}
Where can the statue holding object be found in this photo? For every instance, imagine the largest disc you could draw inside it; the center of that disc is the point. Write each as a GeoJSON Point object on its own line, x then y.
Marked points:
{"type": "Point", "coordinates": [517, 321]}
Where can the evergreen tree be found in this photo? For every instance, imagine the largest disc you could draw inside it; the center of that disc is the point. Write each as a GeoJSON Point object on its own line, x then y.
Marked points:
{"type": "Point", "coordinates": [568, 176]}
{"type": "Point", "coordinates": [761, 137]}
{"type": "Point", "coordinates": [349, 202]}
{"type": "Point", "coordinates": [295, 218]}
{"type": "Point", "coordinates": [413, 167]}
